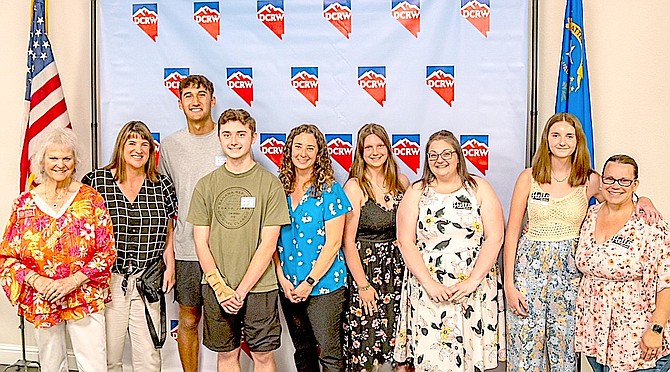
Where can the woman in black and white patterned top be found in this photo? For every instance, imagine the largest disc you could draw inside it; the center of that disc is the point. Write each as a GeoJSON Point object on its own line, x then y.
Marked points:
{"type": "Point", "coordinates": [142, 204]}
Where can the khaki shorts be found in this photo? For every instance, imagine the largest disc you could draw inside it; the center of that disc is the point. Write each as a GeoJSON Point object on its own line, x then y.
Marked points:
{"type": "Point", "coordinates": [258, 320]}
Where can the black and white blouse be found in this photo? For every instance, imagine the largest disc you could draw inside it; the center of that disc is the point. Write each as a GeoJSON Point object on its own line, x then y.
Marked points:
{"type": "Point", "coordinates": [140, 227]}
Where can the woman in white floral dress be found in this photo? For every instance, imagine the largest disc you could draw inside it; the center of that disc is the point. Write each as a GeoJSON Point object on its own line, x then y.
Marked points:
{"type": "Point", "coordinates": [450, 230]}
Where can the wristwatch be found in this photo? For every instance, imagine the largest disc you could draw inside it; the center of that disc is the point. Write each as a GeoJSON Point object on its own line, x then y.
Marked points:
{"type": "Point", "coordinates": [657, 328]}
{"type": "Point", "coordinates": [311, 281]}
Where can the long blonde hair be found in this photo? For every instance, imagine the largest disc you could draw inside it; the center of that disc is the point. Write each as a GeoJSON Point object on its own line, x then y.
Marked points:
{"type": "Point", "coordinates": [581, 160]}
{"type": "Point", "coordinates": [359, 167]}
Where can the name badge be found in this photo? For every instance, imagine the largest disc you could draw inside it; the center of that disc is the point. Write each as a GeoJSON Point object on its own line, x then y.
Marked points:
{"type": "Point", "coordinates": [621, 241]}
{"type": "Point", "coordinates": [25, 213]}
{"type": "Point", "coordinates": [466, 205]}
{"type": "Point", "coordinates": [540, 197]}
{"type": "Point", "coordinates": [247, 202]}
{"type": "Point", "coordinates": [219, 160]}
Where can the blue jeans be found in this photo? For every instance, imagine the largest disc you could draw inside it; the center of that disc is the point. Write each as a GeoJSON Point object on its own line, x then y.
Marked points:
{"type": "Point", "coordinates": [662, 365]}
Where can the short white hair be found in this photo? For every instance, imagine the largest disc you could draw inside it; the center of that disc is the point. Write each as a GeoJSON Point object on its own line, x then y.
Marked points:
{"type": "Point", "coordinates": [55, 137]}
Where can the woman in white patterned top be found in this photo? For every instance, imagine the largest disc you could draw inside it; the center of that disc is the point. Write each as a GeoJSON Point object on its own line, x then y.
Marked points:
{"type": "Point", "coordinates": [623, 304]}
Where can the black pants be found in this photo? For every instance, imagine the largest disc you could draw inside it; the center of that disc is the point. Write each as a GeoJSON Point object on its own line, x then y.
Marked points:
{"type": "Point", "coordinates": [316, 322]}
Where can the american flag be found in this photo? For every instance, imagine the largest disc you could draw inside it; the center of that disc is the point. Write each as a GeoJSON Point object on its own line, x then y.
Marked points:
{"type": "Point", "coordinates": [44, 95]}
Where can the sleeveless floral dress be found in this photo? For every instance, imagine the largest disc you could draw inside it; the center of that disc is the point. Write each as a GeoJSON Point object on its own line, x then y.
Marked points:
{"type": "Point", "coordinates": [450, 336]}
{"type": "Point", "coordinates": [370, 338]}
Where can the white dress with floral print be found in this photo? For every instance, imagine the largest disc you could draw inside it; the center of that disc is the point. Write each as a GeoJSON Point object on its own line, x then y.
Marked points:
{"type": "Point", "coordinates": [448, 336]}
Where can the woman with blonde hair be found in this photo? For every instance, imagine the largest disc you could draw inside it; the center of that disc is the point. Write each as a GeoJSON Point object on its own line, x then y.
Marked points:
{"type": "Point", "coordinates": [541, 279]}
{"type": "Point", "coordinates": [309, 263]}
{"type": "Point", "coordinates": [375, 187]}
{"type": "Point", "coordinates": [142, 204]}
{"type": "Point", "coordinates": [450, 229]}
{"type": "Point", "coordinates": [55, 258]}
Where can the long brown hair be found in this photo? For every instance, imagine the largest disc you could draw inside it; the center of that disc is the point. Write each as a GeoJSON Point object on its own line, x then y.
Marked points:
{"type": "Point", "coordinates": [580, 169]}
{"type": "Point", "coordinates": [322, 174]}
{"type": "Point", "coordinates": [359, 167]}
{"type": "Point", "coordinates": [133, 129]}
{"type": "Point", "coordinates": [428, 177]}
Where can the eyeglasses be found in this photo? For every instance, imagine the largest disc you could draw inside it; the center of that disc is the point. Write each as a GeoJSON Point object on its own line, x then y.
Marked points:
{"type": "Point", "coordinates": [623, 182]}
{"type": "Point", "coordinates": [445, 155]}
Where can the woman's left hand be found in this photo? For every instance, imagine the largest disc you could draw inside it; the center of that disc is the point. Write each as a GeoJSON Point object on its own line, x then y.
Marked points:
{"type": "Point", "coordinates": [651, 345]}
{"type": "Point", "coordinates": [59, 288]}
{"type": "Point", "coordinates": [302, 291]}
{"type": "Point", "coordinates": [168, 279]}
{"type": "Point", "coordinates": [462, 289]}
{"type": "Point", "coordinates": [649, 212]}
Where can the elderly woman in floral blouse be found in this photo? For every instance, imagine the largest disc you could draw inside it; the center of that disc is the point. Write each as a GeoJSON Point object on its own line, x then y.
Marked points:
{"type": "Point", "coordinates": [55, 259]}
{"type": "Point", "coordinates": [623, 304]}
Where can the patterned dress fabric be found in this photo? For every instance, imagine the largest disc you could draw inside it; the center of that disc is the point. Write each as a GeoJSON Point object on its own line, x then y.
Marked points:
{"type": "Point", "coordinates": [447, 336]}
{"type": "Point", "coordinates": [370, 338]}
{"type": "Point", "coordinates": [617, 295]}
{"type": "Point", "coordinates": [545, 273]}
{"type": "Point", "coordinates": [57, 244]}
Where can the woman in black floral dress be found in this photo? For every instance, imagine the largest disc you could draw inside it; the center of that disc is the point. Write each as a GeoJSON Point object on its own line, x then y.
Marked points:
{"type": "Point", "coordinates": [374, 188]}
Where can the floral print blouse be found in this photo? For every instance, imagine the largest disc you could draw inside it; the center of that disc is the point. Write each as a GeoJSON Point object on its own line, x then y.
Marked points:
{"type": "Point", "coordinates": [301, 241]}
{"type": "Point", "coordinates": [617, 294]}
{"type": "Point", "coordinates": [57, 244]}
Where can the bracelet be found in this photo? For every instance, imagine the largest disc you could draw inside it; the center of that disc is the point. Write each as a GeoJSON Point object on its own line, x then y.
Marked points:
{"type": "Point", "coordinates": [32, 278]}
{"type": "Point", "coordinates": [365, 287]}
{"type": "Point", "coordinates": [76, 281]}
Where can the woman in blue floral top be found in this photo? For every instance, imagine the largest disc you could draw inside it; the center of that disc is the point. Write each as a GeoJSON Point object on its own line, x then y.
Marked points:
{"type": "Point", "coordinates": [310, 264]}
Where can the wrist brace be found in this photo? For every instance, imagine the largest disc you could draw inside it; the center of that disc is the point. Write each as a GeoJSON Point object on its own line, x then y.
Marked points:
{"type": "Point", "coordinates": [222, 291]}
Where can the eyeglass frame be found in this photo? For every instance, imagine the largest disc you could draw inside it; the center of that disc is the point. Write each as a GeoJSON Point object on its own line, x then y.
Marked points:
{"type": "Point", "coordinates": [450, 153]}
{"type": "Point", "coordinates": [618, 181]}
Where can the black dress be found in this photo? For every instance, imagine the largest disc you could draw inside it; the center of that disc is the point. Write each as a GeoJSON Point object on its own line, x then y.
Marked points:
{"type": "Point", "coordinates": [369, 338]}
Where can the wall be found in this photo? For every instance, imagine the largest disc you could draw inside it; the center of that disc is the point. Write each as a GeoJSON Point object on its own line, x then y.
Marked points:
{"type": "Point", "coordinates": [627, 52]}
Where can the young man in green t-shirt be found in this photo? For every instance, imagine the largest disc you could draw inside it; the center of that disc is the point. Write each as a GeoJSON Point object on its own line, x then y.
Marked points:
{"type": "Point", "coordinates": [237, 212]}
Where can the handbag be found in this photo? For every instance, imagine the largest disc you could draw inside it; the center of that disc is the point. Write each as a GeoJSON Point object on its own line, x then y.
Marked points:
{"type": "Point", "coordinates": [150, 287]}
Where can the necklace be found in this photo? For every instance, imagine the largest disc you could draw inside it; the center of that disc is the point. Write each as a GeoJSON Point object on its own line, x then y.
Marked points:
{"type": "Point", "coordinates": [557, 180]}
{"type": "Point", "coordinates": [386, 195]}
{"type": "Point", "coordinates": [57, 198]}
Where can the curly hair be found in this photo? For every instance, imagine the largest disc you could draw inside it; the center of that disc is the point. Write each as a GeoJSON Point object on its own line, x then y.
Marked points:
{"type": "Point", "coordinates": [322, 174]}
{"type": "Point", "coordinates": [358, 167]}
{"type": "Point", "coordinates": [428, 177]}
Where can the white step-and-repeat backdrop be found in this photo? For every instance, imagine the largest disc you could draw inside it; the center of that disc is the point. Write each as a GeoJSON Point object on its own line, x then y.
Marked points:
{"type": "Point", "coordinates": [413, 66]}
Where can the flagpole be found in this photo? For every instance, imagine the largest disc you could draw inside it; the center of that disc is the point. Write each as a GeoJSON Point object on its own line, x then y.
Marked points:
{"type": "Point", "coordinates": [94, 86]}
{"type": "Point", "coordinates": [531, 131]}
